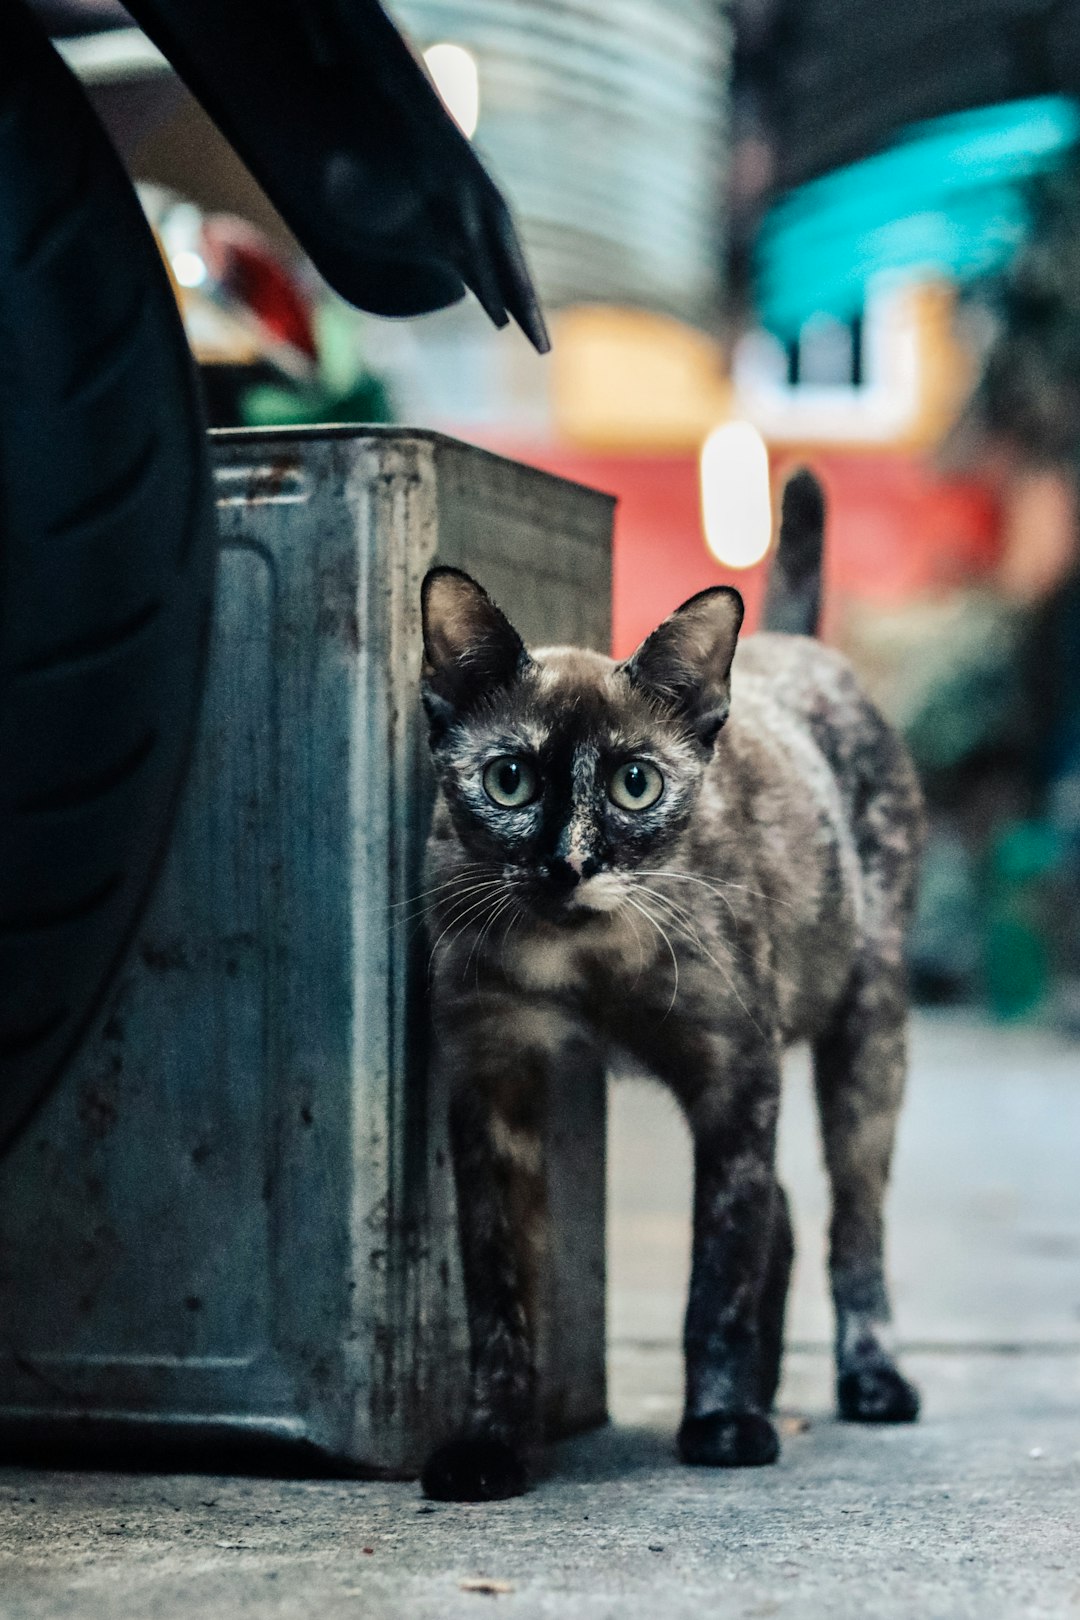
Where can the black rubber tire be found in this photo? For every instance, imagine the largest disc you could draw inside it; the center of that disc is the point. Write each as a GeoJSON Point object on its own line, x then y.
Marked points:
{"type": "Point", "coordinates": [107, 545]}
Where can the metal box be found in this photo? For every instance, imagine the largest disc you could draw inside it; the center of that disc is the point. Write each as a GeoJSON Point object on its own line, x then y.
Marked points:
{"type": "Point", "coordinates": [231, 1228]}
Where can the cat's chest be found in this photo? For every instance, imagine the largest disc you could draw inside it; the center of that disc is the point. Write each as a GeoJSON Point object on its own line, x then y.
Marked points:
{"type": "Point", "coordinates": [603, 975]}
{"type": "Point", "coordinates": [548, 965]}
{"type": "Point", "coordinates": [576, 965]}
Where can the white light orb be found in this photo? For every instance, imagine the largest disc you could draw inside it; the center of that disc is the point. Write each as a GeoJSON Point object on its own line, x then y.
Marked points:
{"type": "Point", "coordinates": [736, 502]}
{"type": "Point", "coordinates": [457, 79]}
{"type": "Point", "coordinates": [188, 268]}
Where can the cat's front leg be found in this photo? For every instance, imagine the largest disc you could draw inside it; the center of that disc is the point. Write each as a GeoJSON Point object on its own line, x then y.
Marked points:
{"type": "Point", "coordinates": [496, 1144]}
{"type": "Point", "coordinates": [739, 1231]}
{"type": "Point", "coordinates": [496, 1052]}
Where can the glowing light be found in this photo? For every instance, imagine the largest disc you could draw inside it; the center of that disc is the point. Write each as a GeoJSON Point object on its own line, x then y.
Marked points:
{"type": "Point", "coordinates": [188, 268]}
{"type": "Point", "coordinates": [735, 502]}
{"type": "Point", "coordinates": [457, 79]}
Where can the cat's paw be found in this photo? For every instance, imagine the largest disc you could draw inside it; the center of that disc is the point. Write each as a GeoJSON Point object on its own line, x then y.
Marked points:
{"type": "Point", "coordinates": [876, 1395]}
{"type": "Point", "coordinates": [474, 1469]}
{"type": "Point", "coordinates": [728, 1440]}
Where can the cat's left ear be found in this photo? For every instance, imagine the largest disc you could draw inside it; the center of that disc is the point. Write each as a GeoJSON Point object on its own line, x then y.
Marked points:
{"type": "Point", "coordinates": [470, 648]}
{"type": "Point", "coordinates": [687, 661]}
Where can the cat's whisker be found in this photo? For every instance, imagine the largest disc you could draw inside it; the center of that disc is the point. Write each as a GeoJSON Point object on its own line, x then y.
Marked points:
{"type": "Point", "coordinates": [483, 874]}
{"type": "Point", "coordinates": [622, 911]}
{"type": "Point", "coordinates": [466, 869]}
{"type": "Point", "coordinates": [428, 907]}
{"type": "Point", "coordinates": [717, 885]}
{"type": "Point", "coordinates": [672, 905]}
{"type": "Point", "coordinates": [717, 892]}
{"type": "Point", "coordinates": [663, 935]}
{"type": "Point", "coordinates": [676, 916]}
{"type": "Point", "coordinates": [478, 943]}
{"type": "Point", "coordinates": [680, 916]}
{"type": "Point", "coordinates": [460, 869]}
{"type": "Point", "coordinates": [424, 919]}
{"type": "Point", "coordinates": [694, 939]}
{"type": "Point", "coordinates": [691, 922]}
{"type": "Point", "coordinates": [691, 932]}
{"type": "Point", "coordinates": [458, 922]}
{"type": "Point", "coordinates": [431, 914]}
{"type": "Point", "coordinates": [518, 913]}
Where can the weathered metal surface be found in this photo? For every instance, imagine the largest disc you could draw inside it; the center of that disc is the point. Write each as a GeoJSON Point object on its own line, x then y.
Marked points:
{"type": "Point", "coordinates": [233, 1223]}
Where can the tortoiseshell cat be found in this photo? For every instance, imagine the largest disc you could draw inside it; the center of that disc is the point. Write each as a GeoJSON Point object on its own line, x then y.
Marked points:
{"type": "Point", "coordinates": [621, 865]}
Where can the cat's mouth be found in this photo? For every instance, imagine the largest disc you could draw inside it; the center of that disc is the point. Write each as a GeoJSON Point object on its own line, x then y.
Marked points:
{"type": "Point", "coordinates": [569, 919]}
{"type": "Point", "coordinates": [588, 900]}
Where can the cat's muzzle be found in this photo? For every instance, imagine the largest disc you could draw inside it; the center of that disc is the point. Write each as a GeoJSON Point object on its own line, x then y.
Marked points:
{"type": "Point", "coordinates": [570, 896]}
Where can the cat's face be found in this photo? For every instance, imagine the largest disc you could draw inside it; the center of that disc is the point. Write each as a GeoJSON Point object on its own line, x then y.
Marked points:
{"type": "Point", "coordinates": [563, 770]}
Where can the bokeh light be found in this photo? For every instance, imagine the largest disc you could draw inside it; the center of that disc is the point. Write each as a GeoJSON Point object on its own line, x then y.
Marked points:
{"type": "Point", "coordinates": [457, 79]}
{"type": "Point", "coordinates": [736, 506]}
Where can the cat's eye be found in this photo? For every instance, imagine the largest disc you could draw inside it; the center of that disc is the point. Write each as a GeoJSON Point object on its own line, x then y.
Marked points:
{"type": "Point", "coordinates": [510, 782]}
{"type": "Point", "coordinates": [635, 785]}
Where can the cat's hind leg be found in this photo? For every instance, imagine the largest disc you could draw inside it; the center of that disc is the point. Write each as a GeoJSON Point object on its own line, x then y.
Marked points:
{"type": "Point", "coordinates": [859, 1070]}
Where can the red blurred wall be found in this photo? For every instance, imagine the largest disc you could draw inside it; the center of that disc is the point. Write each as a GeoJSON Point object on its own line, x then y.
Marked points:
{"type": "Point", "coordinates": [896, 531]}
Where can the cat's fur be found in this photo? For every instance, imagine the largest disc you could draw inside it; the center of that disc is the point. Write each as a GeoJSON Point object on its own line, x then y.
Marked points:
{"type": "Point", "coordinates": [763, 899]}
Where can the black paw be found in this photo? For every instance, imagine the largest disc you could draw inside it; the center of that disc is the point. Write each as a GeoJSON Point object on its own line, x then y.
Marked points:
{"type": "Point", "coordinates": [728, 1440]}
{"type": "Point", "coordinates": [876, 1395]}
{"type": "Point", "coordinates": [474, 1469]}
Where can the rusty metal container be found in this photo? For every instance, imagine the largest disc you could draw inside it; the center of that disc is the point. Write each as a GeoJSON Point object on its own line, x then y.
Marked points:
{"type": "Point", "coordinates": [230, 1233]}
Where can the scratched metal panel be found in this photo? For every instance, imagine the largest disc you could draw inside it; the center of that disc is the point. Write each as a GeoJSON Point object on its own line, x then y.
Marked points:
{"type": "Point", "coordinates": [232, 1225]}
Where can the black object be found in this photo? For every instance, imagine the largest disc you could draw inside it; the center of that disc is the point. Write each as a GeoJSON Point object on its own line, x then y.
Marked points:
{"type": "Point", "coordinates": [107, 534]}
{"type": "Point", "coordinates": [67, 19]}
{"type": "Point", "coordinates": [107, 543]}
{"type": "Point", "coordinates": [338, 121]}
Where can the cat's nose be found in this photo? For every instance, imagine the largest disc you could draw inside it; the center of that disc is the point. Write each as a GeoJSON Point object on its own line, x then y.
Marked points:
{"type": "Point", "coordinates": [563, 874]}
{"type": "Point", "coordinates": [568, 873]}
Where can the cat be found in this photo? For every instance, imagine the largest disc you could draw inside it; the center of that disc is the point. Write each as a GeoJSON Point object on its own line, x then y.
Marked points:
{"type": "Point", "coordinates": [696, 856]}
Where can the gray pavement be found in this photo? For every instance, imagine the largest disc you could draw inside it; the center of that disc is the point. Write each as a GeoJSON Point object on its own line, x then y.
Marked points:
{"type": "Point", "coordinates": [973, 1512]}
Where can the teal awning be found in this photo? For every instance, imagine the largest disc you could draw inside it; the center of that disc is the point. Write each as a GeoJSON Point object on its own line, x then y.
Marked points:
{"type": "Point", "coordinates": [948, 199]}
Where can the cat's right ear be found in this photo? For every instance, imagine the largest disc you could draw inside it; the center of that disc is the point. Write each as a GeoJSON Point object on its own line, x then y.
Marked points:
{"type": "Point", "coordinates": [470, 648]}
{"type": "Point", "coordinates": [687, 661]}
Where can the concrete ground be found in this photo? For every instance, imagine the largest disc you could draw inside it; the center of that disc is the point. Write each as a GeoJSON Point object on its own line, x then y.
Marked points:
{"type": "Point", "coordinates": [974, 1512]}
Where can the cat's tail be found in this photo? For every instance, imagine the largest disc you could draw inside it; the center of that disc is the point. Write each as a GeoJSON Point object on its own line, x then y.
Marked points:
{"type": "Point", "coordinates": [793, 599]}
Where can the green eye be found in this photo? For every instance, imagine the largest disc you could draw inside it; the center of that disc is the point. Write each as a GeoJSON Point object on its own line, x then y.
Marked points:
{"type": "Point", "coordinates": [510, 782]}
{"type": "Point", "coordinates": [636, 785]}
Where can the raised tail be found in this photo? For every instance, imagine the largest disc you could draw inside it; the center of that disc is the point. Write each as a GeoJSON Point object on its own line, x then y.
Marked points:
{"type": "Point", "coordinates": [793, 599]}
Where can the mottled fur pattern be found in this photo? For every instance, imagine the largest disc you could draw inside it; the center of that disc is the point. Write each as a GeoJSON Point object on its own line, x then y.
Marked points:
{"type": "Point", "coordinates": [762, 899]}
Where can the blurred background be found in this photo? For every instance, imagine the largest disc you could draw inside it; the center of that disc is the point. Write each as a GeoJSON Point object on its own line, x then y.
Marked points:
{"type": "Point", "coordinates": [765, 232]}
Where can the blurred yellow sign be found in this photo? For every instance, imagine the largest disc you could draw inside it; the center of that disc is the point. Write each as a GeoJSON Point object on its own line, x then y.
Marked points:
{"type": "Point", "coordinates": [625, 379]}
